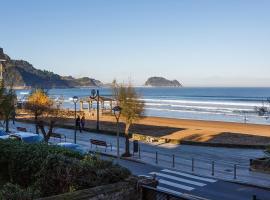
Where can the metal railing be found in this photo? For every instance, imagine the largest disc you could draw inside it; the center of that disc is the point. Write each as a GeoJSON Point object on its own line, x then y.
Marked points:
{"type": "Point", "coordinates": [215, 168]}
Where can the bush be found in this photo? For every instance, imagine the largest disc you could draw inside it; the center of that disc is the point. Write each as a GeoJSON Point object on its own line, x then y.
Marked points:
{"type": "Point", "coordinates": [20, 162]}
{"type": "Point", "coordinates": [52, 169]}
{"type": "Point", "coordinates": [11, 191]}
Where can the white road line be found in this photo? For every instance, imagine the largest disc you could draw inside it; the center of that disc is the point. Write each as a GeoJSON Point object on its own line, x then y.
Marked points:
{"type": "Point", "coordinates": [178, 179]}
{"type": "Point", "coordinates": [190, 176]}
{"type": "Point", "coordinates": [168, 190]}
{"type": "Point", "coordinates": [176, 185]}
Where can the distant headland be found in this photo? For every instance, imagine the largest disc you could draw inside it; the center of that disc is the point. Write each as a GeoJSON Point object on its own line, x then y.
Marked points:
{"type": "Point", "coordinates": [22, 75]}
{"type": "Point", "coordinates": [162, 82]}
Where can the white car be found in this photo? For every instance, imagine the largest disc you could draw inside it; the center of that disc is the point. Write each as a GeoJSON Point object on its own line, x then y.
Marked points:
{"type": "Point", "coordinates": [73, 147]}
{"type": "Point", "coordinates": [27, 137]}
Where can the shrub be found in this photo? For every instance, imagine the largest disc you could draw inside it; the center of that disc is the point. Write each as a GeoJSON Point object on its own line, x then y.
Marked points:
{"type": "Point", "coordinates": [12, 191]}
{"type": "Point", "coordinates": [52, 169]}
{"type": "Point", "coordinates": [21, 161]}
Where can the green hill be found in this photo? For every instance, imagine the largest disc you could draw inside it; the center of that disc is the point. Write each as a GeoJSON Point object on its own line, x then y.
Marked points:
{"type": "Point", "coordinates": [21, 73]}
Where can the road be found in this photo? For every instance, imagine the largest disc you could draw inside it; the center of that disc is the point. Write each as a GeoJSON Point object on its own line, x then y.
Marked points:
{"type": "Point", "coordinates": [181, 182]}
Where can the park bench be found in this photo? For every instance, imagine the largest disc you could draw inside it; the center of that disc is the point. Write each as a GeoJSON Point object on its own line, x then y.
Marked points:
{"type": "Point", "coordinates": [100, 143]}
{"type": "Point", "coordinates": [60, 136]}
{"type": "Point", "coordinates": [22, 129]}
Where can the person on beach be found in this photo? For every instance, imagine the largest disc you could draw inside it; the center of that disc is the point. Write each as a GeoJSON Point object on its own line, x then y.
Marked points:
{"type": "Point", "coordinates": [83, 122]}
{"type": "Point", "coordinates": [78, 123]}
{"type": "Point", "coordinates": [13, 116]}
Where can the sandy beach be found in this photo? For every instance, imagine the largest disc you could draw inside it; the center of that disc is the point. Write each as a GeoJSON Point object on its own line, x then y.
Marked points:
{"type": "Point", "coordinates": [187, 130]}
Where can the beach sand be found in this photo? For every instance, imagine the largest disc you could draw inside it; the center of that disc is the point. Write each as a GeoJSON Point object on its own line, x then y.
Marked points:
{"type": "Point", "coordinates": [188, 130]}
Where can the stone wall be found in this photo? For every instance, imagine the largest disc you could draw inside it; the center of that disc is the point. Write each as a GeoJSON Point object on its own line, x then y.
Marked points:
{"type": "Point", "coordinates": [125, 190]}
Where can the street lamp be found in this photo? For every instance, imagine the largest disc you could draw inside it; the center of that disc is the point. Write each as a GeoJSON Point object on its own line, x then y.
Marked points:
{"type": "Point", "coordinates": [94, 95]}
{"type": "Point", "coordinates": [117, 113]}
{"type": "Point", "coordinates": [75, 100]}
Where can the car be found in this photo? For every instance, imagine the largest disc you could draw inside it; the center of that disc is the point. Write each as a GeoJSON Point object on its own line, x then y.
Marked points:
{"type": "Point", "coordinates": [3, 135]}
{"type": "Point", "coordinates": [26, 137]}
{"type": "Point", "coordinates": [73, 147]}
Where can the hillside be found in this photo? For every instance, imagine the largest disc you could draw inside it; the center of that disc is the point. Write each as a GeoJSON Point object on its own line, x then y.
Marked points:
{"type": "Point", "coordinates": [22, 74]}
{"type": "Point", "coordinates": [162, 82]}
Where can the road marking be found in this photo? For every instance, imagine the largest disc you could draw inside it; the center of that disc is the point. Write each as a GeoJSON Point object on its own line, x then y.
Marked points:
{"type": "Point", "coordinates": [190, 176]}
{"type": "Point", "coordinates": [168, 190]}
{"type": "Point", "coordinates": [176, 185]}
{"type": "Point", "coordinates": [178, 179]}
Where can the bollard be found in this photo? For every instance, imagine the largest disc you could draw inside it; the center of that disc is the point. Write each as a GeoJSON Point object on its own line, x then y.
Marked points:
{"type": "Point", "coordinates": [192, 166]}
{"type": "Point", "coordinates": [139, 151]}
{"type": "Point", "coordinates": [173, 161]}
{"type": "Point", "coordinates": [156, 157]}
{"type": "Point", "coordinates": [234, 176]}
{"type": "Point", "coordinates": [213, 168]}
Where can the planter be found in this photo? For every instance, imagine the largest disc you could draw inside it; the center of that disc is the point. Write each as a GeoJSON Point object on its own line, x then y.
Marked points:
{"type": "Point", "coordinates": [260, 165]}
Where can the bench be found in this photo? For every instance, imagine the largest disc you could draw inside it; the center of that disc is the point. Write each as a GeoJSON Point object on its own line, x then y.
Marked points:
{"type": "Point", "coordinates": [22, 129]}
{"type": "Point", "coordinates": [58, 135]}
{"type": "Point", "coordinates": [100, 143]}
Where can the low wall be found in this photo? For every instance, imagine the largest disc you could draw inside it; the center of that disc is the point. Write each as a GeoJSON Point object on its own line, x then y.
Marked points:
{"type": "Point", "coordinates": [125, 190]}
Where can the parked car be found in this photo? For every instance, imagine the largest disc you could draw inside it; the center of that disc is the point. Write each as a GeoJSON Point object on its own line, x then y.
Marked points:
{"type": "Point", "coordinates": [3, 135]}
{"type": "Point", "coordinates": [27, 137]}
{"type": "Point", "coordinates": [73, 147]}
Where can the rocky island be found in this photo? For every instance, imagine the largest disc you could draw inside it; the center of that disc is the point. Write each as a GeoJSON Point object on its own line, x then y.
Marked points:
{"type": "Point", "coordinates": [21, 74]}
{"type": "Point", "coordinates": [162, 82]}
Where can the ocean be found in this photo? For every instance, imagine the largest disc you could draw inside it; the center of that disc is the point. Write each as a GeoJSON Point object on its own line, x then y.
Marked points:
{"type": "Point", "coordinates": [216, 104]}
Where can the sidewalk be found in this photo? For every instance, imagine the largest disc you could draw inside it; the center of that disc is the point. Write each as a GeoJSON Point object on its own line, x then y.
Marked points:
{"type": "Point", "coordinates": [222, 163]}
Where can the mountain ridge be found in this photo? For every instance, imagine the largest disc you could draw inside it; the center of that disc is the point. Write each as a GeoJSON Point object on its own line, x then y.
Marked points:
{"type": "Point", "coordinates": [22, 74]}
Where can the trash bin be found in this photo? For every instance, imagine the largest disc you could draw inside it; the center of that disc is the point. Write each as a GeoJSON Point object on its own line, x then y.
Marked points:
{"type": "Point", "coordinates": [135, 146]}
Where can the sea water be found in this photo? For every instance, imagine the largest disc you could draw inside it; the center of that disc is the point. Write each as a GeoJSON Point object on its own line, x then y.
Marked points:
{"type": "Point", "coordinates": [217, 104]}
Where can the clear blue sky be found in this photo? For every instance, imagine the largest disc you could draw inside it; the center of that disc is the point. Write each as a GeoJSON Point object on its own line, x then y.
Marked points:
{"type": "Point", "coordinates": [200, 42]}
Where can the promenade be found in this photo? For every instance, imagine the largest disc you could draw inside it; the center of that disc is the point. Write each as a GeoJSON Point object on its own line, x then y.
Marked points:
{"type": "Point", "coordinates": [231, 164]}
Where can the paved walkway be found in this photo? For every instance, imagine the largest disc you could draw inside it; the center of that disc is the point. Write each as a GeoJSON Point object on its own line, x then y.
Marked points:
{"type": "Point", "coordinates": [221, 163]}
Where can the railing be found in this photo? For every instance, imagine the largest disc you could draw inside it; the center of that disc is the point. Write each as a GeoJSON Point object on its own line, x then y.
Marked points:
{"type": "Point", "coordinates": [196, 164]}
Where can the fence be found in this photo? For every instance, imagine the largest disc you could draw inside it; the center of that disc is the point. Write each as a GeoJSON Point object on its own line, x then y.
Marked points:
{"type": "Point", "coordinates": [227, 170]}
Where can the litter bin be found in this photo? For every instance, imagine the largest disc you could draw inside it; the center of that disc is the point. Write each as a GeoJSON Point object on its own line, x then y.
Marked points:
{"type": "Point", "coordinates": [135, 146]}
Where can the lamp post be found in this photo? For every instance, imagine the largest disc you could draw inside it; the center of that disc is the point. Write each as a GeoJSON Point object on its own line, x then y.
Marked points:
{"type": "Point", "coordinates": [94, 95]}
{"type": "Point", "coordinates": [117, 113]}
{"type": "Point", "coordinates": [75, 100]}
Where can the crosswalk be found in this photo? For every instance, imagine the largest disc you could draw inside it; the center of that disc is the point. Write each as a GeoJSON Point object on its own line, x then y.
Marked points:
{"type": "Point", "coordinates": [177, 182]}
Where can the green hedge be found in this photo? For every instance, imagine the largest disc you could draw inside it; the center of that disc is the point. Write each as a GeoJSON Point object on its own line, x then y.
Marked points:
{"type": "Point", "coordinates": [50, 170]}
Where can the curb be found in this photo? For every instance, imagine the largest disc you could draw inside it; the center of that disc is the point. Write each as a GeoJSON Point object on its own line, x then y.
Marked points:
{"type": "Point", "coordinates": [247, 184]}
{"type": "Point", "coordinates": [122, 158]}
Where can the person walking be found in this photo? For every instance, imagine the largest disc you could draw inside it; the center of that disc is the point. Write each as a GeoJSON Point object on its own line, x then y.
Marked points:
{"type": "Point", "coordinates": [83, 122]}
{"type": "Point", "coordinates": [78, 124]}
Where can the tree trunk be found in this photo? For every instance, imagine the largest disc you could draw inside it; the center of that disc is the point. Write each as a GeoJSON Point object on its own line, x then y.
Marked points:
{"type": "Point", "coordinates": [36, 122]}
{"type": "Point", "coordinates": [7, 125]}
{"type": "Point", "coordinates": [47, 135]}
{"type": "Point", "coordinates": [127, 152]}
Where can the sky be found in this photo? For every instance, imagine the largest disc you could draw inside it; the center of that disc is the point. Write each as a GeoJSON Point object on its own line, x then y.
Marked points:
{"type": "Point", "coordinates": [198, 42]}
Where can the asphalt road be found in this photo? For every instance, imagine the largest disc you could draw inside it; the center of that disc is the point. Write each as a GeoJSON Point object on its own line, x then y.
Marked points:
{"type": "Point", "coordinates": [178, 182]}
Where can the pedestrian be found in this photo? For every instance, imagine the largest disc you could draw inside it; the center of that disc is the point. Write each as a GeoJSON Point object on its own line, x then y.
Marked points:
{"type": "Point", "coordinates": [78, 123]}
{"type": "Point", "coordinates": [83, 122]}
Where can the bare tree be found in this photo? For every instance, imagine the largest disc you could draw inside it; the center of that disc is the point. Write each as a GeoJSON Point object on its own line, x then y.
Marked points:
{"type": "Point", "coordinates": [38, 103]}
{"type": "Point", "coordinates": [132, 108]}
